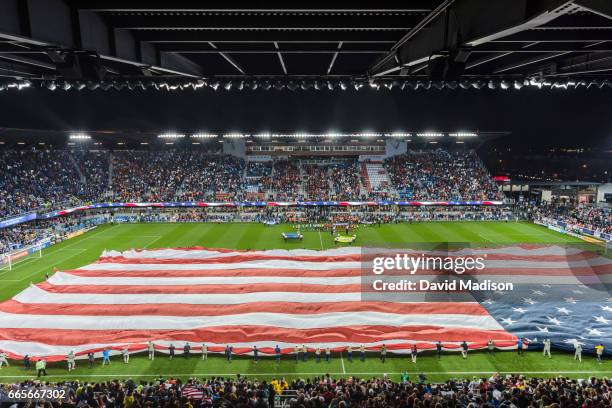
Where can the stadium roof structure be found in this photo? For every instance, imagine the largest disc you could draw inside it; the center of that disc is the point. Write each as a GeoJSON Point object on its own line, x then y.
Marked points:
{"type": "Point", "coordinates": [77, 44]}
{"type": "Point", "coordinates": [120, 139]}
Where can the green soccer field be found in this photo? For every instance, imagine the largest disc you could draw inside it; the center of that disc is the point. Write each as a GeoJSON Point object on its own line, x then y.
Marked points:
{"type": "Point", "coordinates": [86, 248]}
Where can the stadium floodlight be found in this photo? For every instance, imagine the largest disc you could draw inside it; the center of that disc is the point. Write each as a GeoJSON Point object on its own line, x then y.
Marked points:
{"type": "Point", "coordinates": [79, 136]}
{"type": "Point", "coordinates": [203, 136]}
{"type": "Point", "coordinates": [144, 143]}
{"type": "Point", "coordinates": [400, 134]}
{"type": "Point", "coordinates": [463, 134]}
{"type": "Point", "coordinates": [235, 135]}
{"type": "Point", "coordinates": [301, 135]}
{"type": "Point", "coordinates": [369, 134]}
{"type": "Point", "coordinates": [333, 134]}
{"type": "Point", "coordinates": [171, 136]}
{"type": "Point", "coordinates": [430, 134]}
{"type": "Point", "coordinates": [263, 135]}
{"type": "Point", "coordinates": [23, 84]}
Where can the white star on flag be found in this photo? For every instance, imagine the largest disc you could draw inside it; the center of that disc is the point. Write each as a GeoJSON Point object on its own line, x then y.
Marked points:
{"type": "Point", "coordinates": [595, 332]}
{"type": "Point", "coordinates": [519, 309]}
{"type": "Point", "coordinates": [602, 319]}
{"type": "Point", "coordinates": [554, 320]}
{"type": "Point", "coordinates": [538, 292]}
{"type": "Point", "coordinates": [530, 301]}
{"type": "Point", "coordinates": [562, 310]}
{"type": "Point", "coordinates": [488, 302]}
{"type": "Point", "coordinates": [508, 321]}
{"type": "Point", "coordinates": [573, 341]}
{"type": "Point", "coordinates": [542, 329]}
{"type": "Point", "coordinates": [546, 285]}
{"type": "Point", "coordinates": [570, 300]}
{"type": "Point", "coordinates": [579, 292]}
{"type": "Point", "coordinates": [606, 308]}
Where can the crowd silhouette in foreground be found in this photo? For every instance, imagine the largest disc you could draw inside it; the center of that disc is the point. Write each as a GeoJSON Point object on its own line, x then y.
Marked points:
{"type": "Point", "coordinates": [496, 391]}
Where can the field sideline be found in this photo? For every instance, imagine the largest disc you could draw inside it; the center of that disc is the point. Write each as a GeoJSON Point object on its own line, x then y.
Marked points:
{"type": "Point", "coordinates": [86, 248]}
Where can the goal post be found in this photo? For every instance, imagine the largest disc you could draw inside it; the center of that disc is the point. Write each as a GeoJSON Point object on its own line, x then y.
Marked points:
{"type": "Point", "coordinates": [10, 259]}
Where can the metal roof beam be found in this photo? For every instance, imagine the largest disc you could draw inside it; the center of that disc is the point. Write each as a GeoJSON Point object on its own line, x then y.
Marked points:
{"type": "Point", "coordinates": [542, 57]}
{"type": "Point", "coordinates": [280, 59]}
{"type": "Point", "coordinates": [248, 36]}
{"type": "Point", "coordinates": [599, 46]}
{"type": "Point", "coordinates": [470, 23]}
{"type": "Point", "coordinates": [602, 8]}
{"type": "Point", "coordinates": [584, 35]}
{"type": "Point", "coordinates": [228, 58]}
{"type": "Point", "coordinates": [247, 5]}
{"type": "Point", "coordinates": [262, 22]}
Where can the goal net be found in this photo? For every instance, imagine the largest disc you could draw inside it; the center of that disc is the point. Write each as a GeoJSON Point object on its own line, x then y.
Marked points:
{"type": "Point", "coordinates": [10, 259]}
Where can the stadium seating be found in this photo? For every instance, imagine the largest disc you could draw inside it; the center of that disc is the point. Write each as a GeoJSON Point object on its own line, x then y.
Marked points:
{"type": "Point", "coordinates": [441, 175]}
{"type": "Point", "coordinates": [52, 178]}
{"type": "Point", "coordinates": [376, 177]}
{"type": "Point", "coordinates": [597, 219]}
{"type": "Point", "coordinates": [326, 391]}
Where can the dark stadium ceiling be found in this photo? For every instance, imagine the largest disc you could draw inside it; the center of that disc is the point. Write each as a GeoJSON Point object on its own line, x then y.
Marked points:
{"type": "Point", "coordinates": [76, 44]}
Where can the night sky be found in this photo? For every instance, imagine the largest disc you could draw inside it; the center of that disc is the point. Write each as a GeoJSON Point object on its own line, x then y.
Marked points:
{"type": "Point", "coordinates": [535, 117]}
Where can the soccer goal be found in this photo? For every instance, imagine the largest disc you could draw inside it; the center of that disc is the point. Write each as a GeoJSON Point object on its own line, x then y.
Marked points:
{"type": "Point", "coordinates": [10, 259]}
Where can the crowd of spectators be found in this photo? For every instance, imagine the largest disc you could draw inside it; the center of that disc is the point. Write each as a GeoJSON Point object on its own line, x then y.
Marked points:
{"type": "Point", "coordinates": [37, 179]}
{"type": "Point", "coordinates": [441, 175]}
{"type": "Point", "coordinates": [211, 177]}
{"type": "Point", "coordinates": [597, 219]}
{"type": "Point", "coordinates": [286, 182]}
{"type": "Point", "coordinates": [258, 179]}
{"type": "Point", "coordinates": [316, 182]}
{"type": "Point", "coordinates": [496, 391]}
{"type": "Point", "coordinates": [175, 176]}
{"type": "Point", "coordinates": [345, 180]}
{"type": "Point", "coordinates": [32, 233]}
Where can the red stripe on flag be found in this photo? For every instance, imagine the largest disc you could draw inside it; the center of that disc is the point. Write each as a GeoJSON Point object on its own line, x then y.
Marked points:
{"type": "Point", "coordinates": [13, 306]}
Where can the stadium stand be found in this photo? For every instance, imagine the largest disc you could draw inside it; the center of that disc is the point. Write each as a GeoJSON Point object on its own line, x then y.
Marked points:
{"type": "Point", "coordinates": [316, 182]}
{"type": "Point", "coordinates": [598, 219]}
{"type": "Point", "coordinates": [345, 181]}
{"type": "Point", "coordinates": [503, 391]}
{"type": "Point", "coordinates": [286, 180]}
{"type": "Point", "coordinates": [441, 175]}
{"type": "Point", "coordinates": [43, 178]}
{"type": "Point", "coordinates": [376, 177]}
{"type": "Point", "coordinates": [48, 178]}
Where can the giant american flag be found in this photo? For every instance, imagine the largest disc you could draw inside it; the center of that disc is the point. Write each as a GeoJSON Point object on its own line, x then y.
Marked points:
{"type": "Point", "coordinates": [301, 297]}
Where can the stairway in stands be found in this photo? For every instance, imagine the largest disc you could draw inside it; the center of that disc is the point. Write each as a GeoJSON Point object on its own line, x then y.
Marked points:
{"type": "Point", "coordinates": [375, 177]}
